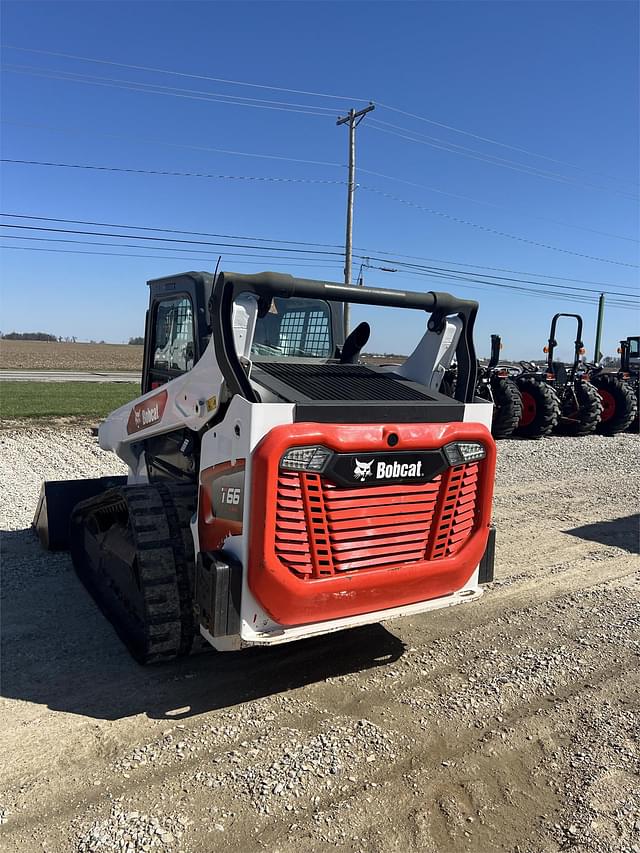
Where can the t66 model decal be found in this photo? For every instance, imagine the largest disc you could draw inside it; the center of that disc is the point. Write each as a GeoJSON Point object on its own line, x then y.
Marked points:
{"type": "Point", "coordinates": [221, 504]}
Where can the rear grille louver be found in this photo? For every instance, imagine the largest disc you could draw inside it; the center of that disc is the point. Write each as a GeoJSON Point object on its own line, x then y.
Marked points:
{"type": "Point", "coordinates": [323, 530]}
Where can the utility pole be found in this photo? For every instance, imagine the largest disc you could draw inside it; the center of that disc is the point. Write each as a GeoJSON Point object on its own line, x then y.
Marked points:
{"type": "Point", "coordinates": [353, 119]}
{"type": "Point", "coordinates": [596, 354]}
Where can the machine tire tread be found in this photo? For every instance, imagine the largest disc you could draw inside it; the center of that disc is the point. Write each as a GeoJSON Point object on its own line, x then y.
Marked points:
{"type": "Point", "coordinates": [547, 408]}
{"type": "Point", "coordinates": [626, 407]}
{"type": "Point", "coordinates": [585, 419]}
{"type": "Point", "coordinates": [507, 407]}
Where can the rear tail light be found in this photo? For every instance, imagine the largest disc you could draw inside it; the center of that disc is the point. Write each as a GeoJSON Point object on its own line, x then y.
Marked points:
{"type": "Point", "coordinates": [305, 458]}
{"type": "Point", "coordinates": [460, 452]}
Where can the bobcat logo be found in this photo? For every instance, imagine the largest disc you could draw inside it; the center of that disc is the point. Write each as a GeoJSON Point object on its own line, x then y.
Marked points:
{"type": "Point", "coordinates": [363, 470]}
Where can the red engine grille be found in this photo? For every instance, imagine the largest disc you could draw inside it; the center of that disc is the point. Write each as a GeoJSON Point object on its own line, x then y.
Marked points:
{"type": "Point", "coordinates": [322, 529]}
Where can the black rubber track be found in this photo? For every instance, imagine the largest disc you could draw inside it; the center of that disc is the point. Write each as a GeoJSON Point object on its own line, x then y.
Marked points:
{"type": "Point", "coordinates": [619, 403]}
{"type": "Point", "coordinates": [507, 407]}
{"type": "Point", "coordinates": [581, 410]}
{"type": "Point", "coordinates": [133, 550]}
{"type": "Point", "coordinates": [546, 408]}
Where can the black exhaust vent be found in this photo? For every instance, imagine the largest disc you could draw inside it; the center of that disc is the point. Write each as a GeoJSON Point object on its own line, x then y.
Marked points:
{"type": "Point", "coordinates": [336, 382]}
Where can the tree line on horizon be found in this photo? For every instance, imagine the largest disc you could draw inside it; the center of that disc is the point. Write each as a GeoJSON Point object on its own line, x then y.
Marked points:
{"type": "Point", "coordinates": [56, 339]}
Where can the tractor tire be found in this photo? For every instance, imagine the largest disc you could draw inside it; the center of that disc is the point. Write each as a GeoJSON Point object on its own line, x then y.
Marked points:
{"type": "Point", "coordinates": [507, 406]}
{"type": "Point", "coordinates": [540, 408]}
{"type": "Point", "coordinates": [635, 390]}
{"type": "Point", "coordinates": [581, 410]}
{"type": "Point", "coordinates": [133, 550]}
{"type": "Point", "coordinates": [619, 406]}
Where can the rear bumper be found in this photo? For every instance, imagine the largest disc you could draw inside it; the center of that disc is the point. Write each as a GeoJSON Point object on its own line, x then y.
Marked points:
{"type": "Point", "coordinates": [296, 598]}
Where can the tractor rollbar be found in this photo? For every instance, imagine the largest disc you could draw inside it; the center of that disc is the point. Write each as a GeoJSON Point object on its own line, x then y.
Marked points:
{"type": "Point", "coordinates": [578, 344]}
{"type": "Point", "coordinates": [439, 304]}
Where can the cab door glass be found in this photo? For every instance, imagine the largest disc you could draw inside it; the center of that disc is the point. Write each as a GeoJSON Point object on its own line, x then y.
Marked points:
{"type": "Point", "coordinates": [174, 348]}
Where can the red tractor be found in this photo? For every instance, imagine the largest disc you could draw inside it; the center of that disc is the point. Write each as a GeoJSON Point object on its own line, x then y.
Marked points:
{"type": "Point", "coordinates": [580, 403]}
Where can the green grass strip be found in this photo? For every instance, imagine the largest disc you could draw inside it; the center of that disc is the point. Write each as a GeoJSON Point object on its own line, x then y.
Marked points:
{"type": "Point", "coordinates": [60, 399]}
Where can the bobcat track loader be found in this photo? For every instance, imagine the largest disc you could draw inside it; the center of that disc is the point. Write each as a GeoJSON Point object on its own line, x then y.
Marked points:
{"type": "Point", "coordinates": [278, 488]}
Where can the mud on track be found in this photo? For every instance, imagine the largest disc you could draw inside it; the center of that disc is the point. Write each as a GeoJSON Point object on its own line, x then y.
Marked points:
{"type": "Point", "coordinates": [510, 724]}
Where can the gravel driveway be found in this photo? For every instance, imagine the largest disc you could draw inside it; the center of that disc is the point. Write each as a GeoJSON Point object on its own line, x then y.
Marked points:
{"type": "Point", "coordinates": [510, 724]}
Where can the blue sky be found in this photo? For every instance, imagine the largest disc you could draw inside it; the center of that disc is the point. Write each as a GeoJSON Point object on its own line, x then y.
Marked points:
{"type": "Point", "coordinates": [555, 78]}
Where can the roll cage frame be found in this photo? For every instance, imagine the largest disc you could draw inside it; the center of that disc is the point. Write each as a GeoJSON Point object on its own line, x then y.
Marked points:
{"type": "Point", "coordinates": [229, 286]}
{"type": "Point", "coordinates": [213, 302]}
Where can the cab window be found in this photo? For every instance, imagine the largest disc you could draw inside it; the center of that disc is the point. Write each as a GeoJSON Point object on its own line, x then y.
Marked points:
{"type": "Point", "coordinates": [294, 328]}
{"type": "Point", "coordinates": [173, 341]}
{"type": "Point", "coordinates": [173, 349]}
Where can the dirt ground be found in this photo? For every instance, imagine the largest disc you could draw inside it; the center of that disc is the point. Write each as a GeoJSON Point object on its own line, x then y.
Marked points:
{"type": "Point", "coordinates": [43, 355]}
{"type": "Point", "coordinates": [510, 724]}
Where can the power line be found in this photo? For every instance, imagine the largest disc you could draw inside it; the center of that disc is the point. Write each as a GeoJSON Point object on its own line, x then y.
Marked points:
{"type": "Point", "coordinates": [475, 282]}
{"type": "Point", "coordinates": [471, 283]}
{"type": "Point", "coordinates": [285, 158]}
{"type": "Point", "coordinates": [180, 73]}
{"type": "Point", "coordinates": [155, 89]}
{"type": "Point", "coordinates": [391, 256]}
{"type": "Point", "coordinates": [600, 284]}
{"type": "Point", "coordinates": [454, 148]}
{"type": "Point", "coordinates": [543, 284]}
{"type": "Point", "coordinates": [310, 93]}
{"type": "Point", "coordinates": [153, 257]}
{"type": "Point", "coordinates": [376, 190]}
{"type": "Point", "coordinates": [71, 75]}
{"type": "Point", "coordinates": [169, 173]}
{"type": "Point", "coordinates": [155, 141]}
{"type": "Point", "coordinates": [498, 206]}
{"type": "Point", "coordinates": [461, 274]}
{"type": "Point", "coordinates": [172, 231]}
{"type": "Point", "coordinates": [160, 239]}
{"type": "Point", "coordinates": [496, 142]}
{"type": "Point", "coordinates": [216, 97]}
{"type": "Point", "coordinates": [120, 245]}
{"type": "Point", "coordinates": [493, 230]}
{"type": "Point", "coordinates": [455, 275]}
